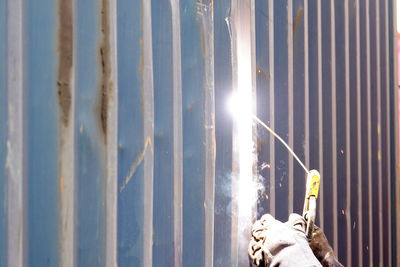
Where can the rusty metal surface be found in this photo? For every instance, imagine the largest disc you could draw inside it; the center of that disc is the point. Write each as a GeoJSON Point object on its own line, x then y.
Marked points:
{"type": "Point", "coordinates": [116, 148]}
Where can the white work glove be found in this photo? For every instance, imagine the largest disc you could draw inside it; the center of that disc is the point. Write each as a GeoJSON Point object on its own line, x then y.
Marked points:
{"type": "Point", "coordinates": [274, 243]}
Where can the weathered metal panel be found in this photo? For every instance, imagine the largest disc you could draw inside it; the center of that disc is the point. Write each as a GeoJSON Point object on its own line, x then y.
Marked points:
{"type": "Point", "coordinates": [116, 147]}
{"type": "Point", "coordinates": [135, 139]}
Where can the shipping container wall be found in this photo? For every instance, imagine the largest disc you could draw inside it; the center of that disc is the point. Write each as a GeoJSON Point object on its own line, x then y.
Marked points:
{"type": "Point", "coordinates": [117, 149]}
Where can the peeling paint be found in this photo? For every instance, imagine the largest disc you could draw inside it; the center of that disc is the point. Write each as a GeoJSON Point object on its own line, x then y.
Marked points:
{"type": "Point", "coordinates": [65, 53]}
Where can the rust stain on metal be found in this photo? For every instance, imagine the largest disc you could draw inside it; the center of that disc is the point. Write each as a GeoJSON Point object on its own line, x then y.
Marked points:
{"type": "Point", "coordinates": [105, 85]}
{"type": "Point", "coordinates": [203, 41]}
{"type": "Point", "coordinates": [65, 52]}
{"type": "Point", "coordinates": [260, 71]}
{"type": "Point", "coordinates": [296, 21]}
{"type": "Point", "coordinates": [61, 184]}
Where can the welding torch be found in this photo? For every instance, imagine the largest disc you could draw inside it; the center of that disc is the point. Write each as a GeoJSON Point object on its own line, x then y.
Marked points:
{"type": "Point", "coordinates": [310, 201]}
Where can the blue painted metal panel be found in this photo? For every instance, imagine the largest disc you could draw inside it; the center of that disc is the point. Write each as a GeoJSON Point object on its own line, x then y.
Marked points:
{"type": "Point", "coordinates": [385, 128]}
{"type": "Point", "coordinates": [354, 173]}
{"type": "Point", "coordinates": [42, 134]}
{"type": "Point", "coordinates": [223, 136]}
{"type": "Point", "coordinates": [340, 149]}
{"type": "Point", "coordinates": [192, 37]}
{"type": "Point", "coordinates": [313, 77]}
{"type": "Point", "coordinates": [373, 18]}
{"type": "Point", "coordinates": [364, 134]}
{"type": "Point", "coordinates": [263, 103]}
{"type": "Point", "coordinates": [91, 134]}
{"type": "Point", "coordinates": [206, 54]}
{"type": "Point", "coordinates": [163, 220]}
{"type": "Point", "coordinates": [327, 194]}
{"type": "Point", "coordinates": [393, 124]}
{"type": "Point", "coordinates": [130, 133]}
{"type": "Point", "coordinates": [299, 109]}
{"type": "Point", "coordinates": [281, 107]}
{"type": "Point", "coordinates": [3, 134]}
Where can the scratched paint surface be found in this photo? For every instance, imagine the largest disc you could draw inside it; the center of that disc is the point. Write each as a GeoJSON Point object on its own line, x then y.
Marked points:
{"type": "Point", "coordinates": [130, 134]}
{"type": "Point", "coordinates": [3, 134]}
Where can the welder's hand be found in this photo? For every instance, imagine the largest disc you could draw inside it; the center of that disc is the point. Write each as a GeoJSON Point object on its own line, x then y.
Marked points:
{"type": "Point", "coordinates": [274, 243]}
{"type": "Point", "coordinates": [322, 250]}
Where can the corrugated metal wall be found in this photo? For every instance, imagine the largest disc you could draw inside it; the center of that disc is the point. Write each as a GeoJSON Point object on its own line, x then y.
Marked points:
{"type": "Point", "coordinates": [116, 147]}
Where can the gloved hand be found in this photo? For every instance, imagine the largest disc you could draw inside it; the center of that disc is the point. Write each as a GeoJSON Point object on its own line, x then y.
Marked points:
{"type": "Point", "coordinates": [322, 250]}
{"type": "Point", "coordinates": [274, 243]}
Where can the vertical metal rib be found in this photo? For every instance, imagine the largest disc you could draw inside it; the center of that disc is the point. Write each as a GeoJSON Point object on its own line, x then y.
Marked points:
{"type": "Point", "coordinates": [378, 111]}
{"type": "Point", "coordinates": [177, 131]}
{"type": "Point", "coordinates": [17, 229]}
{"type": "Point", "coordinates": [334, 140]}
{"type": "Point", "coordinates": [112, 143]}
{"type": "Point", "coordinates": [290, 100]}
{"type": "Point", "coordinates": [359, 169]}
{"type": "Point", "coordinates": [271, 105]}
{"type": "Point", "coordinates": [348, 166]}
{"type": "Point", "coordinates": [67, 142]}
{"type": "Point", "coordinates": [320, 118]}
{"type": "Point", "coordinates": [209, 120]}
{"type": "Point", "coordinates": [306, 89]}
{"type": "Point", "coordinates": [148, 133]}
{"type": "Point", "coordinates": [387, 130]}
{"type": "Point", "coordinates": [368, 91]}
{"type": "Point", "coordinates": [235, 140]}
{"type": "Point", "coordinates": [396, 129]}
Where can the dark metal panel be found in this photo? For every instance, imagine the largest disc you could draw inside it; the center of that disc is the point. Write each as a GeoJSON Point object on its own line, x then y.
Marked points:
{"type": "Point", "coordinates": [364, 132]}
{"type": "Point", "coordinates": [393, 88]}
{"type": "Point", "coordinates": [263, 90]}
{"type": "Point", "coordinates": [340, 136]}
{"type": "Point", "coordinates": [281, 107]}
{"type": "Point", "coordinates": [355, 161]}
{"type": "Point", "coordinates": [299, 105]}
{"type": "Point", "coordinates": [132, 144]}
{"type": "Point", "coordinates": [313, 91]}
{"type": "Point", "coordinates": [223, 135]}
{"type": "Point", "coordinates": [327, 95]}
{"type": "Point", "coordinates": [3, 133]}
{"type": "Point", "coordinates": [375, 176]}
{"type": "Point", "coordinates": [163, 223]}
{"type": "Point", "coordinates": [385, 132]}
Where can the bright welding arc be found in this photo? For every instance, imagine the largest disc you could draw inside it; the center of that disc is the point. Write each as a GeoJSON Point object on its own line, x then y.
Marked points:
{"type": "Point", "coordinates": [282, 141]}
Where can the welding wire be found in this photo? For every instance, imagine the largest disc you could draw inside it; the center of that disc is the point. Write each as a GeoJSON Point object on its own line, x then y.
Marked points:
{"type": "Point", "coordinates": [282, 141]}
